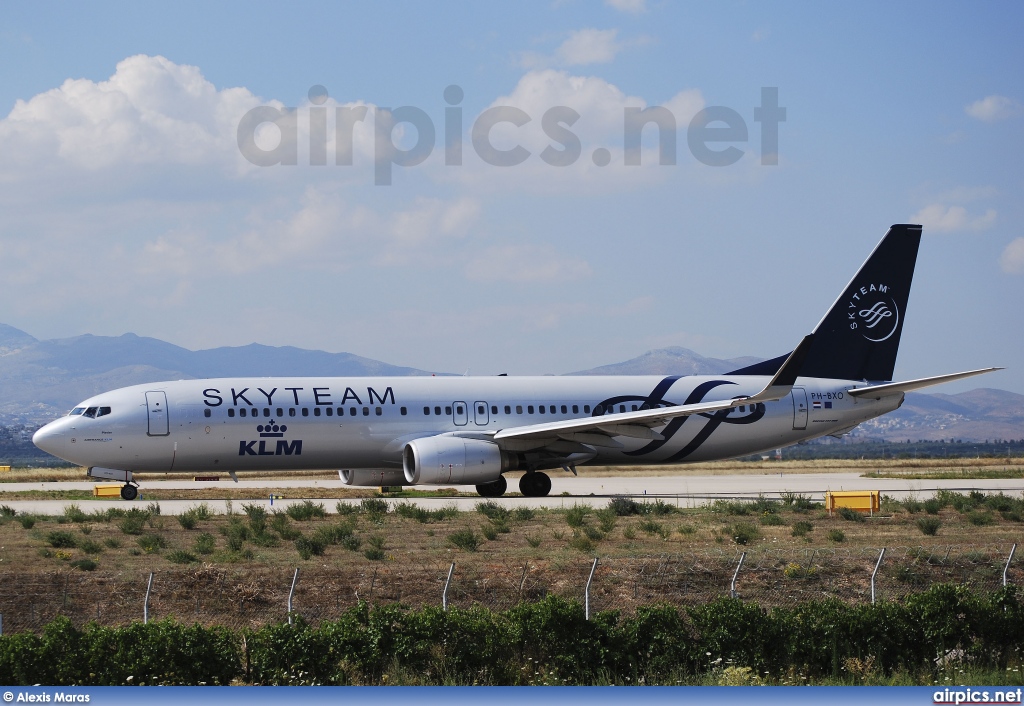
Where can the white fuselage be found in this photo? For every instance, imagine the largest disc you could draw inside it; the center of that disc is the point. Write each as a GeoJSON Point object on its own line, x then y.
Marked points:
{"type": "Point", "coordinates": [244, 424]}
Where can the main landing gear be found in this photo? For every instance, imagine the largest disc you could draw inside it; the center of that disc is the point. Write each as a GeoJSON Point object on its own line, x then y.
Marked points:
{"type": "Point", "coordinates": [535, 484]}
{"type": "Point", "coordinates": [494, 489]}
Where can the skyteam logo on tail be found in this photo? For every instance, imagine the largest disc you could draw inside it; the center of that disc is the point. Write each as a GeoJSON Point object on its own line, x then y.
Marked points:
{"type": "Point", "coordinates": [873, 311]}
{"type": "Point", "coordinates": [273, 430]}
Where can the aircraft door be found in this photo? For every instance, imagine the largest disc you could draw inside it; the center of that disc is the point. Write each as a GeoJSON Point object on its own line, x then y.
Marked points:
{"type": "Point", "coordinates": [156, 412]}
{"type": "Point", "coordinates": [480, 413]}
{"type": "Point", "coordinates": [799, 395]}
{"type": "Point", "coordinates": [460, 413]}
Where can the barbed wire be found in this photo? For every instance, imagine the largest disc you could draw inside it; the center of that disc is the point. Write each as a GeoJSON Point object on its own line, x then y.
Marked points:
{"type": "Point", "coordinates": [250, 597]}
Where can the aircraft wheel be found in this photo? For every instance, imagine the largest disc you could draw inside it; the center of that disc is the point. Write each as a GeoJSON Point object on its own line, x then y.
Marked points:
{"type": "Point", "coordinates": [542, 484]}
{"type": "Point", "coordinates": [129, 491]}
{"type": "Point", "coordinates": [494, 489]}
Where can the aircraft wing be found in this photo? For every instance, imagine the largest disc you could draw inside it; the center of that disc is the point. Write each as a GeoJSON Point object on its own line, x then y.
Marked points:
{"type": "Point", "coordinates": [892, 388]}
{"type": "Point", "coordinates": [597, 430]}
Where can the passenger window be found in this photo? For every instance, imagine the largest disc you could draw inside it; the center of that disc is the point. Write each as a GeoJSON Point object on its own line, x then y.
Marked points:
{"type": "Point", "coordinates": [402, 411]}
{"type": "Point", "coordinates": [586, 409]}
{"type": "Point", "coordinates": [564, 410]}
{"type": "Point", "coordinates": [599, 410]}
{"type": "Point", "coordinates": [104, 411]}
{"type": "Point", "coordinates": [634, 408]}
{"type": "Point", "coordinates": [377, 411]}
{"type": "Point", "coordinates": [519, 409]}
{"type": "Point", "coordinates": [448, 411]}
{"type": "Point", "coordinates": [241, 412]}
{"type": "Point", "coordinates": [743, 408]}
{"type": "Point", "coordinates": [305, 411]}
{"type": "Point", "coordinates": [231, 412]}
{"type": "Point", "coordinates": [426, 411]}
{"type": "Point", "coordinates": [291, 411]}
{"type": "Point", "coordinates": [481, 409]}
{"type": "Point", "coordinates": [207, 413]}
{"type": "Point", "coordinates": [329, 411]}
{"type": "Point", "coordinates": [508, 409]}
{"type": "Point", "coordinates": [494, 409]}
{"type": "Point", "coordinates": [351, 411]}
{"type": "Point", "coordinates": [622, 408]}
{"type": "Point", "coordinates": [90, 413]}
{"type": "Point", "coordinates": [266, 411]}
{"type": "Point", "coordinates": [541, 409]}
{"type": "Point", "coordinates": [529, 408]}
{"type": "Point", "coordinates": [316, 411]}
{"type": "Point", "coordinates": [280, 412]}
{"type": "Point", "coordinates": [458, 409]}
{"type": "Point", "coordinates": [437, 410]}
{"type": "Point", "coordinates": [575, 409]}
{"type": "Point", "coordinates": [366, 411]}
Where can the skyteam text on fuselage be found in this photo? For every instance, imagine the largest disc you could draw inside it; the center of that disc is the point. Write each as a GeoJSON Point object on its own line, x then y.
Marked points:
{"type": "Point", "coordinates": [472, 430]}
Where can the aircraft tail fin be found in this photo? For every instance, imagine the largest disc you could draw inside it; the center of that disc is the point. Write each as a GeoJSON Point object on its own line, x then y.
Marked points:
{"type": "Point", "coordinates": [860, 335]}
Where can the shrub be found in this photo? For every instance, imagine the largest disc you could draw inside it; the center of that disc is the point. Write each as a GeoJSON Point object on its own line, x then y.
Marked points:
{"type": "Point", "coordinates": [730, 507]}
{"type": "Point", "coordinates": [798, 502]}
{"type": "Point", "coordinates": [375, 552]}
{"type": "Point", "coordinates": [27, 521]}
{"type": "Point", "coordinates": [422, 515]}
{"type": "Point", "coordinates": [153, 509]}
{"type": "Point", "coordinates": [7, 511]}
{"type": "Point", "coordinates": [576, 515]}
{"type": "Point", "coordinates": [465, 539]}
{"type": "Point", "coordinates": [205, 543]}
{"type": "Point", "coordinates": [376, 508]}
{"type": "Point", "coordinates": [836, 535]}
{"type": "Point", "coordinates": [687, 529]}
{"type": "Point", "coordinates": [112, 543]}
{"type": "Point", "coordinates": [180, 556]}
{"type": "Point", "coordinates": [850, 515]}
{"type": "Point", "coordinates": [74, 513]}
{"type": "Point", "coordinates": [344, 508]}
{"type": "Point", "coordinates": [489, 532]}
{"type": "Point", "coordinates": [85, 564]}
{"type": "Point", "coordinates": [352, 543]}
{"type": "Point", "coordinates": [743, 532]}
{"type": "Point", "coordinates": [91, 547]}
{"type": "Point", "coordinates": [772, 520]}
{"type": "Point", "coordinates": [310, 546]}
{"type": "Point", "coordinates": [802, 528]}
{"type": "Point", "coordinates": [623, 506]}
{"type": "Point", "coordinates": [187, 520]}
{"type": "Point", "coordinates": [533, 541]}
{"type": "Point", "coordinates": [257, 515]}
{"type": "Point", "coordinates": [911, 505]}
{"type": "Point", "coordinates": [279, 523]}
{"type": "Point", "coordinates": [307, 510]}
{"type": "Point", "coordinates": [523, 514]}
{"type": "Point", "coordinates": [606, 520]}
{"type": "Point", "coordinates": [134, 521]}
{"type": "Point", "coordinates": [653, 527]}
{"type": "Point", "coordinates": [61, 539]}
{"type": "Point", "coordinates": [236, 534]}
{"type": "Point", "coordinates": [492, 510]}
{"type": "Point", "coordinates": [932, 506]}
{"type": "Point", "coordinates": [764, 506]}
{"type": "Point", "coordinates": [151, 543]}
{"type": "Point", "coordinates": [929, 525]}
{"type": "Point", "coordinates": [980, 518]}
{"type": "Point", "coordinates": [658, 507]}
{"type": "Point", "coordinates": [581, 542]}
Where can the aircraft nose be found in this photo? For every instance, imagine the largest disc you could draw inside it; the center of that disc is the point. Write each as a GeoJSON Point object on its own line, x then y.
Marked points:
{"type": "Point", "coordinates": [50, 439]}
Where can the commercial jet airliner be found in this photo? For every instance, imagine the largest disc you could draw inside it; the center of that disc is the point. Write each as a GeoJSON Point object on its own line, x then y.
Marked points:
{"type": "Point", "coordinates": [472, 430]}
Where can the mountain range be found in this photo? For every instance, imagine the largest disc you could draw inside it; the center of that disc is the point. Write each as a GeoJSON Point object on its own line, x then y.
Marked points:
{"type": "Point", "coordinates": [40, 380]}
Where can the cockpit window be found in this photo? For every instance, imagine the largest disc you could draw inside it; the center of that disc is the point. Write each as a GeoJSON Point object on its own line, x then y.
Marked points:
{"type": "Point", "coordinates": [91, 413]}
{"type": "Point", "coordinates": [104, 411]}
{"type": "Point", "coordinates": [76, 411]}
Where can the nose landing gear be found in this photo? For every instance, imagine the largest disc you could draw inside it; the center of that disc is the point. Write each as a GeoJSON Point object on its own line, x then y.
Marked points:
{"type": "Point", "coordinates": [129, 491]}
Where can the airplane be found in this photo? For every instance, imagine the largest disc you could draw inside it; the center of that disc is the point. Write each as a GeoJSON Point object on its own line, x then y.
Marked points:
{"type": "Point", "coordinates": [401, 431]}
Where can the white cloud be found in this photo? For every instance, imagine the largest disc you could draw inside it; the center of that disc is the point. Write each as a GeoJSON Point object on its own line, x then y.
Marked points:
{"type": "Point", "coordinates": [634, 7]}
{"type": "Point", "coordinates": [947, 219]}
{"type": "Point", "coordinates": [992, 108]}
{"type": "Point", "coordinates": [1012, 259]}
{"type": "Point", "coordinates": [589, 46]}
{"type": "Point", "coordinates": [526, 263]}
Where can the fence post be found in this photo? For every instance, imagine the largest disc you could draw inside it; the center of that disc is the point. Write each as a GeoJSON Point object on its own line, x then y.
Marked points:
{"type": "Point", "coordinates": [1008, 560]}
{"type": "Point", "coordinates": [444, 593]}
{"type": "Point", "coordinates": [145, 605]}
{"type": "Point", "coordinates": [732, 586]}
{"type": "Point", "coordinates": [874, 573]}
{"type": "Point", "coordinates": [1, 623]}
{"type": "Point", "coordinates": [586, 591]}
{"type": "Point", "coordinates": [291, 594]}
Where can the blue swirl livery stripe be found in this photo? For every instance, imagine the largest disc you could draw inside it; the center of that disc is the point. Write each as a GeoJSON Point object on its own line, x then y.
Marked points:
{"type": "Point", "coordinates": [697, 395]}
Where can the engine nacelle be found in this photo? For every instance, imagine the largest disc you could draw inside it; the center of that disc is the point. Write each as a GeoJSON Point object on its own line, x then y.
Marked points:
{"type": "Point", "coordinates": [373, 476]}
{"type": "Point", "coordinates": [451, 460]}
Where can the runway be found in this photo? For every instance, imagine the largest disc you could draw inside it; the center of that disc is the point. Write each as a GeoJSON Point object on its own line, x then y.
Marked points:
{"type": "Point", "coordinates": [683, 491]}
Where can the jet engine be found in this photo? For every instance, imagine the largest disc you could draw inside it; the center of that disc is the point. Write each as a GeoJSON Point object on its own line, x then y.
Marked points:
{"type": "Point", "coordinates": [373, 476]}
{"type": "Point", "coordinates": [442, 460]}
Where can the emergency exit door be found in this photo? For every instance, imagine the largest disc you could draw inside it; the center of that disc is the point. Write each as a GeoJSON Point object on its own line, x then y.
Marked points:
{"type": "Point", "coordinates": [799, 408]}
{"type": "Point", "coordinates": [156, 411]}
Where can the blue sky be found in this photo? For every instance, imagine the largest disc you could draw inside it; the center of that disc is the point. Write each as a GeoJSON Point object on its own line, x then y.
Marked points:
{"type": "Point", "coordinates": [127, 206]}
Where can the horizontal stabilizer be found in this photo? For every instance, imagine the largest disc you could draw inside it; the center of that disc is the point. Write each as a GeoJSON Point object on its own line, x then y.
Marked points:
{"type": "Point", "coordinates": [893, 388]}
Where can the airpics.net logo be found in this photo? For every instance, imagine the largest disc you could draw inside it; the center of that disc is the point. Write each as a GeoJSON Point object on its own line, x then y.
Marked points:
{"type": "Point", "coordinates": [268, 136]}
{"type": "Point", "coordinates": [873, 312]}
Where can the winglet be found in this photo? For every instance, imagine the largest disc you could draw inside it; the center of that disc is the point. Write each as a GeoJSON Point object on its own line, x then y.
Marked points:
{"type": "Point", "coordinates": [895, 388]}
{"type": "Point", "coordinates": [781, 384]}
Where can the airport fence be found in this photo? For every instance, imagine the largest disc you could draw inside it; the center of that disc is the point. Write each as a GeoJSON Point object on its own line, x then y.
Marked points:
{"type": "Point", "coordinates": [241, 597]}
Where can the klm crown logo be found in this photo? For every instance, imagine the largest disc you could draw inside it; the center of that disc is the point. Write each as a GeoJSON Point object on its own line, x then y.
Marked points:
{"type": "Point", "coordinates": [261, 447]}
